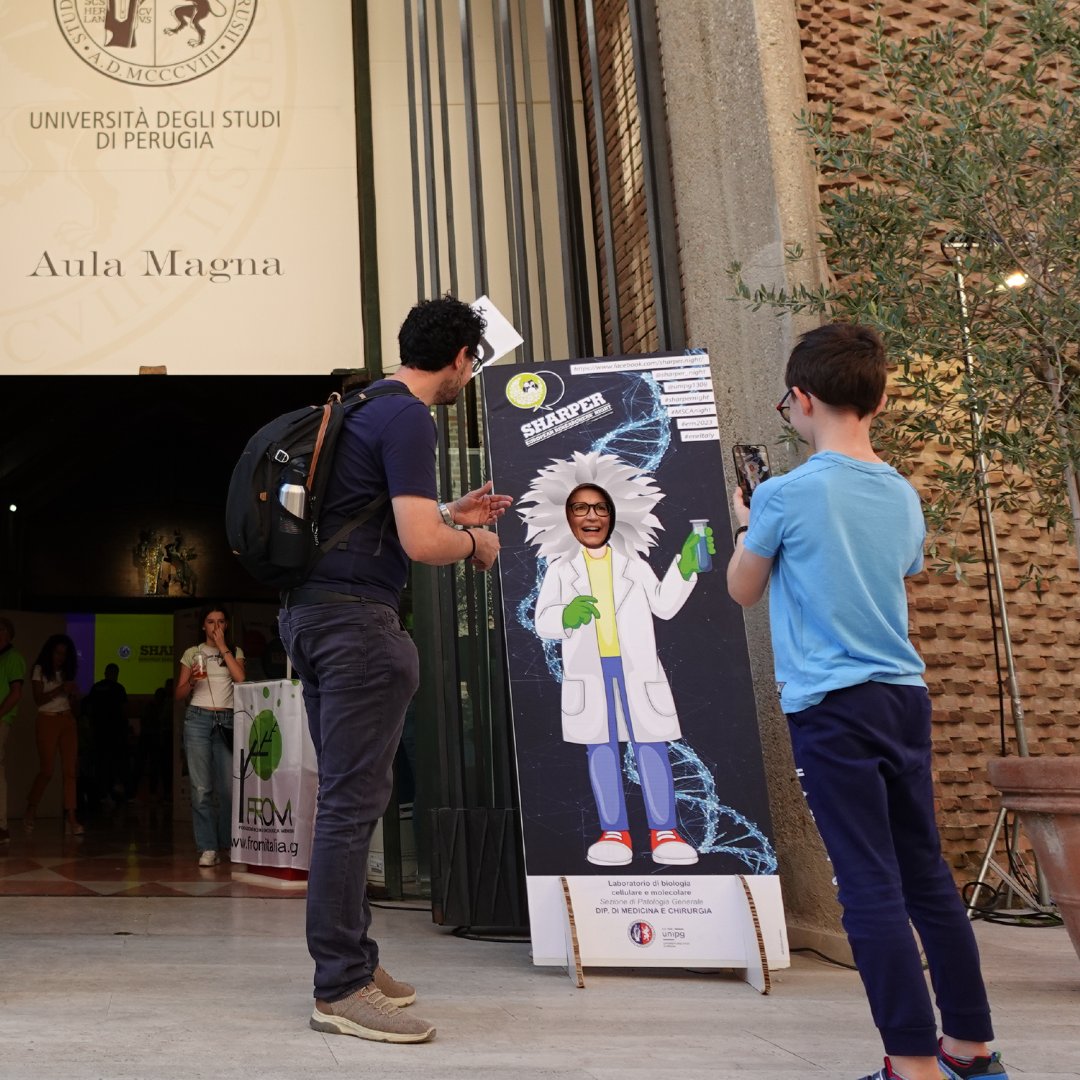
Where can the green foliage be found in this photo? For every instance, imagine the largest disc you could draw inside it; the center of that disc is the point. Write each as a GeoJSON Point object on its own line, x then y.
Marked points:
{"type": "Point", "coordinates": [973, 175]}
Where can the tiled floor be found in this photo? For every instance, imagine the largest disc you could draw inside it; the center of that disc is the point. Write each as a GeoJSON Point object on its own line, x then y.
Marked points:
{"type": "Point", "coordinates": [121, 960]}
{"type": "Point", "coordinates": [134, 851]}
{"type": "Point", "coordinates": [173, 988]}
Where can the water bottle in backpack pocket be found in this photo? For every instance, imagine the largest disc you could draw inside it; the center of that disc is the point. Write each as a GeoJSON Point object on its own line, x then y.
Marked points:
{"type": "Point", "coordinates": [290, 536]}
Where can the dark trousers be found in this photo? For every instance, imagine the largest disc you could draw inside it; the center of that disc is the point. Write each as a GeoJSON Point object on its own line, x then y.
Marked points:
{"type": "Point", "coordinates": [359, 670]}
{"type": "Point", "coordinates": [864, 759]}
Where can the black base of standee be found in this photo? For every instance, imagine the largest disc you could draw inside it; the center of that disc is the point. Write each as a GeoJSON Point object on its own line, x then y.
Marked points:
{"type": "Point", "coordinates": [477, 869]}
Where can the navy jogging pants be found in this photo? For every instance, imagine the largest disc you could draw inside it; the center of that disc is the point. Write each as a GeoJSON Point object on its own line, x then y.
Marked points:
{"type": "Point", "coordinates": [864, 759]}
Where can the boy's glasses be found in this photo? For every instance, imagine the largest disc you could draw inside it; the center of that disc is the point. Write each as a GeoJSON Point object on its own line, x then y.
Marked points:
{"type": "Point", "coordinates": [783, 408]}
{"type": "Point", "coordinates": [581, 509]}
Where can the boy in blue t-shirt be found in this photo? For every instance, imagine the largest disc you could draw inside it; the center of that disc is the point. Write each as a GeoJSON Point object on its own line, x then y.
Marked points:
{"type": "Point", "coordinates": [834, 539]}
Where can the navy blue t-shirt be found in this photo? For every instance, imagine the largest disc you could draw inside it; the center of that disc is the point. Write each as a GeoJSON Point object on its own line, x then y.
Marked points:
{"type": "Point", "coordinates": [386, 445]}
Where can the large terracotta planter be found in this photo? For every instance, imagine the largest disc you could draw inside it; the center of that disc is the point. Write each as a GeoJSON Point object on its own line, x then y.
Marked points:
{"type": "Point", "coordinates": [1045, 791]}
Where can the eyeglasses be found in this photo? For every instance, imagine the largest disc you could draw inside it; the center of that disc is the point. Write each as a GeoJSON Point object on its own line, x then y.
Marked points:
{"type": "Point", "coordinates": [478, 357]}
{"type": "Point", "coordinates": [582, 509]}
{"type": "Point", "coordinates": [783, 408]}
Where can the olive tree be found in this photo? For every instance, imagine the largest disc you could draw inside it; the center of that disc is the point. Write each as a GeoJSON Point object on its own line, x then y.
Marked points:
{"type": "Point", "coordinates": [952, 225]}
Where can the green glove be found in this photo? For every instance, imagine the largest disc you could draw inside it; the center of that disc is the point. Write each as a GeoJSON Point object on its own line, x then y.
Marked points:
{"type": "Point", "coordinates": [580, 610]}
{"type": "Point", "coordinates": [688, 557]}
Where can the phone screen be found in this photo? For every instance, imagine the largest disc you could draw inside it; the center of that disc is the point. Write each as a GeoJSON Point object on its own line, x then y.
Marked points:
{"type": "Point", "coordinates": [751, 467]}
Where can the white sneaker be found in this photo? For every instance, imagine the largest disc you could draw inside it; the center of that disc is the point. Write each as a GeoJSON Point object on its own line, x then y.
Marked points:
{"type": "Point", "coordinates": [208, 858]}
{"type": "Point", "coordinates": [670, 849]}
{"type": "Point", "coordinates": [612, 849]}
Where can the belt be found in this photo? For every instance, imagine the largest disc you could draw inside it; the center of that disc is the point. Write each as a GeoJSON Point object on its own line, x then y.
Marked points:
{"type": "Point", "coordinates": [291, 598]}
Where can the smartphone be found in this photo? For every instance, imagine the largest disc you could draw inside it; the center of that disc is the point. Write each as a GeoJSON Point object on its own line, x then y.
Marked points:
{"type": "Point", "coordinates": [751, 467]}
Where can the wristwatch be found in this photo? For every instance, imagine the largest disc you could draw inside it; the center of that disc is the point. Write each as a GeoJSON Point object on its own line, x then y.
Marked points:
{"type": "Point", "coordinates": [444, 510]}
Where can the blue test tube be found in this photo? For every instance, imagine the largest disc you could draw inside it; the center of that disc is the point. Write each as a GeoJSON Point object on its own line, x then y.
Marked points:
{"type": "Point", "coordinates": [703, 557]}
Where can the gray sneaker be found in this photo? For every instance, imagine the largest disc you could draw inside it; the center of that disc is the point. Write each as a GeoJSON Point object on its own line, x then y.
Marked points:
{"type": "Point", "coordinates": [396, 992]}
{"type": "Point", "coordinates": [369, 1014]}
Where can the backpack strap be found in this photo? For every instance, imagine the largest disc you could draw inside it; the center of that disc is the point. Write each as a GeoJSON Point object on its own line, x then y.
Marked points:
{"type": "Point", "coordinates": [320, 437]}
{"type": "Point", "coordinates": [391, 387]}
{"type": "Point", "coordinates": [365, 514]}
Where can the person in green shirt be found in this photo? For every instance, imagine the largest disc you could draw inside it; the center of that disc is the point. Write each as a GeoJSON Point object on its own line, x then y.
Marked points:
{"type": "Point", "coordinates": [12, 676]}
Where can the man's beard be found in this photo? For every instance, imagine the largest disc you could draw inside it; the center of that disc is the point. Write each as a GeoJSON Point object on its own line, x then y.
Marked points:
{"type": "Point", "coordinates": [449, 389]}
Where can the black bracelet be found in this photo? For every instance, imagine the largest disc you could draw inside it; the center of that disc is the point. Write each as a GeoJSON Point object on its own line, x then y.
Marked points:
{"type": "Point", "coordinates": [740, 530]}
{"type": "Point", "coordinates": [472, 540]}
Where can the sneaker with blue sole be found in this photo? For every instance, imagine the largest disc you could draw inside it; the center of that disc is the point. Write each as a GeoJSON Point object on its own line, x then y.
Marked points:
{"type": "Point", "coordinates": [980, 1068]}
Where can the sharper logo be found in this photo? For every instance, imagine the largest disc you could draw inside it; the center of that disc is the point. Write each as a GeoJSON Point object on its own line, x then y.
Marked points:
{"type": "Point", "coordinates": [155, 42]}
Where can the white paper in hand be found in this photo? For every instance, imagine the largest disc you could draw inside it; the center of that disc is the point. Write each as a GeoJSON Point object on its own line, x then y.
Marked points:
{"type": "Point", "coordinates": [499, 338]}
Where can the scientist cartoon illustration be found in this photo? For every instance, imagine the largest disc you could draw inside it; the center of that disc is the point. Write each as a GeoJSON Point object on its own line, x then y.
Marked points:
{"type": "Point", "coordinates": [591, 518]}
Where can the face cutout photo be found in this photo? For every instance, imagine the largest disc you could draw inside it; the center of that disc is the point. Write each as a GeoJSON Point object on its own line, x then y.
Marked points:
{"type": "Point", "coordinates": [590, 516]}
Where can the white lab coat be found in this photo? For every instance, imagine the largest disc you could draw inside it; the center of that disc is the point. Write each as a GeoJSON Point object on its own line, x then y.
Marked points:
{"type": "Point", "coordinates": [638, 597]}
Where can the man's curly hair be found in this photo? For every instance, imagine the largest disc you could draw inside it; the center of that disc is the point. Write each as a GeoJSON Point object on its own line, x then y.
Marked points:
{"type": "Point", "coordinates": [435, 331]}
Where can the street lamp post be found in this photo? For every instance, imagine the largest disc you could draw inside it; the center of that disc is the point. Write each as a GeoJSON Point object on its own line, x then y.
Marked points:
{"type": "Point", "coordinates": [953, 249]}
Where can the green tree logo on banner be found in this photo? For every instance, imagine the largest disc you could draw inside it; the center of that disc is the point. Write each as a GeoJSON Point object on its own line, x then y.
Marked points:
{"type": "Point", "coordinates": [264, 744]}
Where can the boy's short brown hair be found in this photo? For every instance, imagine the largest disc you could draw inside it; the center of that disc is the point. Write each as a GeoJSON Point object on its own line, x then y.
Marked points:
{"type": "Point", "coordinates": [842, 364]}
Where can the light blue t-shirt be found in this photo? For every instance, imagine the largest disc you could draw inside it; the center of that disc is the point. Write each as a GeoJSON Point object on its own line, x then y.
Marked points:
{"type": "Point", "coordinates": [844, 534]}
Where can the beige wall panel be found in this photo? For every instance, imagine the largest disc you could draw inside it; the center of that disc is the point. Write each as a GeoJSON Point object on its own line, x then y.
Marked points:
{"type": "Point", "coordinates": [252, 160]}
{"type": "Point", "coordinates": [396, 221]}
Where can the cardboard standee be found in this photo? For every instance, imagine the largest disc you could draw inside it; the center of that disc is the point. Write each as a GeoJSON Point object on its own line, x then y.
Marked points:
{"type": "Point", "coordinates": [640, 775]}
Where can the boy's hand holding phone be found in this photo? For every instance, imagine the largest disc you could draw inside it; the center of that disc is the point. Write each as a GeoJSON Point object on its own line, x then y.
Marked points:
{"type": "Point", "coordinates": [742, 511]}
{"type": "Point", "coordinates": [751, 468]}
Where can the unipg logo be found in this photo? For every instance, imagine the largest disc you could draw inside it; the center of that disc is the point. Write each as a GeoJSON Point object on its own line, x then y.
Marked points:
{"type": "Point", "coordinates": [154, 42]}
{"type": "Point", "coordinates": [641, 933]}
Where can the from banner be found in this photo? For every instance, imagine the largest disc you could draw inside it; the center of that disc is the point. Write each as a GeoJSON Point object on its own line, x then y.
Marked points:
{"type": "Point", "coordinates": [639, 760]}
{"type": "Point", "coordinates": [178, 187]}
{"type": "Point", "coordinates": [275, 776]}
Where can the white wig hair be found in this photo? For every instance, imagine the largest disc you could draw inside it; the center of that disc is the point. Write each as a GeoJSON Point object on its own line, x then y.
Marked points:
{"type": "Point", "coordinates": [633, 493]}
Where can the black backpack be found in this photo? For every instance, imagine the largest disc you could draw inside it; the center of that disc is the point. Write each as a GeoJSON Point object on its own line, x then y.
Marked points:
{"type": "Point", "coordinates": [277, 487]}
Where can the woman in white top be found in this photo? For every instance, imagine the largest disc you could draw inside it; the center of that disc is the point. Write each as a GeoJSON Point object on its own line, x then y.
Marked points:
{"type": "Point", "coordinates": [57, 697]}
{"type": "Point", "coordinates": [207, 672]}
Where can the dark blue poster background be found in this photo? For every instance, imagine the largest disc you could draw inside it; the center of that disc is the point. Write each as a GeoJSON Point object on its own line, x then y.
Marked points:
{"type": "Point", "coordinates": [653, 422]}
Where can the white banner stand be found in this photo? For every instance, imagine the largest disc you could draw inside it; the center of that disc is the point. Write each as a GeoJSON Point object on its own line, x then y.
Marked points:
{"type": "Point", "coordinates": [275, 785]}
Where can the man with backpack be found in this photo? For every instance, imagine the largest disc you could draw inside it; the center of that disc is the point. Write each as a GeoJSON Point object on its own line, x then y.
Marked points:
{"type": "Point", "coordinates": [357, 664]}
